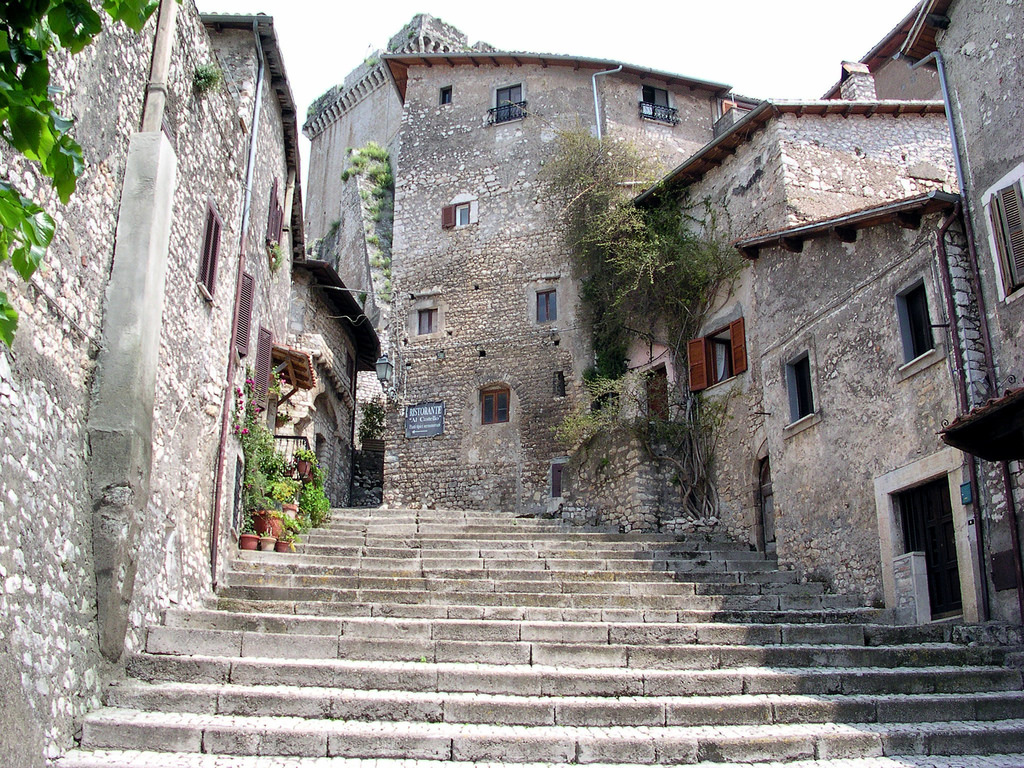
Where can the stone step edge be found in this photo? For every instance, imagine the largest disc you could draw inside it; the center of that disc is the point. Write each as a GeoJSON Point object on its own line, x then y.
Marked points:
{"type": "Point", "coordinates": [757, 709]}
{"type": "Point", "coordinates": [388, 609]}
{"type": "Point", "coordinates": [148, 759]}
{"type": "Point", "coordinates": [579, 744]}
{"type": "Point", "coordinates": [547, 670]}
{"type": "Point", "coordinates": [223, 635]}
{"type": "Point", "coordinates": [206, 614]}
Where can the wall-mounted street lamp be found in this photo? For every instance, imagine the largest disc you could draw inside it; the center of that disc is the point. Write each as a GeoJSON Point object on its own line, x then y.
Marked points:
{"type": "Point", "coordinates": [385, 370]}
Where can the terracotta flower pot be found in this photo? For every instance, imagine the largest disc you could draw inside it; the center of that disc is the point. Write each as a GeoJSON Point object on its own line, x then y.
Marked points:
{"type": "Point", "coordinates": [303, 469]}
{"type": "Point", "coordinates": [249, 541]}
{"type": "Point", "coordinates": [266, 522]}
{"type": "Point", "coordinates": [283, 546]}
{"type": "Point", "coordinates": [267, 543]}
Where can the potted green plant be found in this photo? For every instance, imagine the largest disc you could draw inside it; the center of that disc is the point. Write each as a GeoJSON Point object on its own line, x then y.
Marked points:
{"type": "Point", "coordinates": [248, 539]}
{"type": "Point", "coordinates": [267, 542]}
{"type": "Point", "coordinates": [305, 460]}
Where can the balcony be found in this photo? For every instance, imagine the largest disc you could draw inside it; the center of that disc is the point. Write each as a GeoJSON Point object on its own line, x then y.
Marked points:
{"type": "Point", "coordinates": [662, 114]}
{"type": "Point", "coordinates": [504, 113]}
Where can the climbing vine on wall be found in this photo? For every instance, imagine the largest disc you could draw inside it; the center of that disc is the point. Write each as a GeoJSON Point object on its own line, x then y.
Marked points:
{"type": "Point", "coordinates": [371, 162]}
{"type": "Point", "coordinates": [649, 274]}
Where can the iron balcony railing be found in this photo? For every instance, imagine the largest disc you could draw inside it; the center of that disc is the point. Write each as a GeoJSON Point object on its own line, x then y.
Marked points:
{"type": "Point", "coordinates": [658, 112]}
{"type": "Point", "coordinates": [503, 113]}
{"type": "Point", "coordinates": [287, 445]}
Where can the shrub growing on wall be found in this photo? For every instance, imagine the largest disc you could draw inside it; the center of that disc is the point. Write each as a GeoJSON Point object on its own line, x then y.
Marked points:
{"type": "Point", "coordinates": [648, 274]}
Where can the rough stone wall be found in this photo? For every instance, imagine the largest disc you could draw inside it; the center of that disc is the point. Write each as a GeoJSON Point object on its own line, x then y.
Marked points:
{"type": "Point", "coordinates": [747, 193]}
{"type": "Point", "coordinates": [329, 408]}
{"type": "Point", "coordinates": [367, 477]}
{"type": "Point", "coordinates": [483, 280]}
{"type": "Point", "coordinates": [833, 165]}
{"type": "Point", "coordinates": [613, 483]}
{"type": "Point", "coordinates": [50, 657]}
{"type": "Point", "coordinates": [48, 600]}
{"type": "Point", "coordinates": [838, 303]}
{"type": "Point", "coordinates": [896, 80]}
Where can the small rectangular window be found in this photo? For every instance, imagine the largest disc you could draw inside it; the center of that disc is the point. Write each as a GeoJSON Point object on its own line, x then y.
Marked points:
{"type": "Point", "coordinates": [547, 306]}
{"type": "Point", "coordinates": [656, 96]}
{"type": "Point", "coordinates": [798, 383]}
{"type": "Point", "coordinates": [211, 250]}
{"type": "Point", "coordinates": [446, 95]}
{"type": "Point", "coordinates": [427, 321]}
{"type": "Point", "coordinates": [462, 215]}
{"type": "Point", "coordinates": [559, 384]}
{"type": "Point", "coordinates": [494, 406]}
{"type": "Point", "coordinates": [915, 322]}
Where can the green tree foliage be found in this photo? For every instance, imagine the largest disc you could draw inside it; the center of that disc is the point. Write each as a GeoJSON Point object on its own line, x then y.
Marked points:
{"type": "Point", "coordinates": [648, 274]}
{"type": "Point", "coordinates": [31, 31]}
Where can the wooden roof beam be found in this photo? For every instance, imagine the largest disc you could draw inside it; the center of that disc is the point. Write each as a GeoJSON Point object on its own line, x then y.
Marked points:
{"type": "Point", "coordinates": [791, 244]}
{"type": "Point", "coordinates": [846, 234]}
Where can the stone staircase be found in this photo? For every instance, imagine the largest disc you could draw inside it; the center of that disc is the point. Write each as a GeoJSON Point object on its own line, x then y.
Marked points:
{"type": "Point", "coordinates": [476, 637]}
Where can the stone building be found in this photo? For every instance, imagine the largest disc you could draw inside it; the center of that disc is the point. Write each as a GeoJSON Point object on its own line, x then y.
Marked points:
{"type": "Point", "coordinates": [485, 313]}
{"type": "Point", "coordinates": [976, 50]}
{"type": "Point", "coordinates": [169, 275]}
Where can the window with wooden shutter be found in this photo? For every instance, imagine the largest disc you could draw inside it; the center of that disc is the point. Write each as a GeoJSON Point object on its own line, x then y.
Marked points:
{"type": "Point", "coordinates": [698, 366]}
{"type": "Point", "coordinates": [718, 356]}
{"type": "Point", "coordinates": [494, 405]}
{"type": "Point", "coordinates": [275, 218]}
{"type": "Point", "coordinates": [244, 322]}
{"type": "Point", "coordinates": [1007, 211]}
{"type": "Point", "coordinates": [211, 250]}
{"type": "Point", "coordinates": [261, 374]}
{"type": "Point", "coordinates": [448, 217]}
{"type": "Point", "coordinates": [737, 334]}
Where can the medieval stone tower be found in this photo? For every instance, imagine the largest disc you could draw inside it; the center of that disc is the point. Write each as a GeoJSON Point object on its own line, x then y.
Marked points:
{"type": "Point", "coordinates": [484, 329]}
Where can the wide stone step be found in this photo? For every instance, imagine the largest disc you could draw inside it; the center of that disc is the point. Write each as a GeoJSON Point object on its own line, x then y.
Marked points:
{"type": "Point", "coordinates": [529, 631]}
{"type": "Point", "coordinates": [541, 680]}
{"type": "Point", "coordinates": [517, 613]}
{"type": "Point", "coordinates": [483, 593]}
{"type": "Point", "coordinates": [148, 759]}
{"type": "Point", "coordinates": [314, 703]}
{"type": "Point", "coordinates": [371, 640]}
{"type": "Point", "coordinates": [358, 557]}
{"type": "Point", "coordinates": [290, 736]}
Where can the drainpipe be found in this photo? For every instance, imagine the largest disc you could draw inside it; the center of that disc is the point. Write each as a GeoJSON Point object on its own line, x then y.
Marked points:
{"type": "Point", "coordinates": [986, 339]}
{"type": "Point", "coordinates": [597, 106]}
{"type": "Point", "coordinates": [963, 402]}
{"type": "Point", "coordinates": [156, 88]}
{"type": "Point", "coordinates": [229, 394]}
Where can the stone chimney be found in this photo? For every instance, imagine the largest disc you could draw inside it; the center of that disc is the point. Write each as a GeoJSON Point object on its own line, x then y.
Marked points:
{"type": "Point", "coordinates": [857, 83]}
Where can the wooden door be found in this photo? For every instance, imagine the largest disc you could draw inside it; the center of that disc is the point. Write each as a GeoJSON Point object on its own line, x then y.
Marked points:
{"type": "Point", "coordinates": [927, 518]}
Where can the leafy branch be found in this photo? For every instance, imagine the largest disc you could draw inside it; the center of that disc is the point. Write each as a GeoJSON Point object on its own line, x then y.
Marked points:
{"type": "Point", "coordinates": [648, 274]}
{"type": "Point", "coordinates": [30, 33]}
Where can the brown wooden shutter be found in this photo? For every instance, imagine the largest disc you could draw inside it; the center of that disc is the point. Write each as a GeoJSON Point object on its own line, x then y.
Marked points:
{"type": "Point", "coordinates": [698, 365]}
{"type": "Point", "coordinates": [448, 217]}
{"type": "Point", "coordinates": [211, 249]}
{"type": "Point", "coordinates": [1010, 230]}
{"type": "Point", "coordinates": [244, 322]}
{"type": "Point", "coordinates": [261, 376]}
{"type": "Point", "coordinates": [274, 217]}
{"type": "Point", "coordinates": [738, 341]}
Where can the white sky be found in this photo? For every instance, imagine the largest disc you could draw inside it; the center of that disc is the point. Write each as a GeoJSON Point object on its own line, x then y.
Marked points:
{"type": "Point", "coordinates": [763, 48]}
